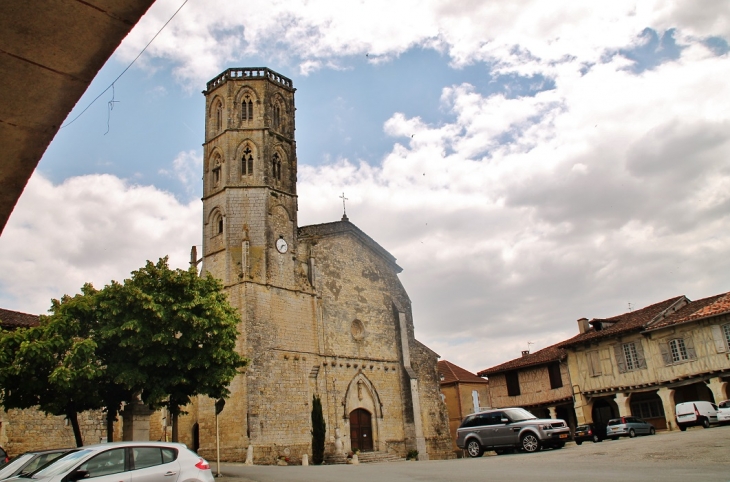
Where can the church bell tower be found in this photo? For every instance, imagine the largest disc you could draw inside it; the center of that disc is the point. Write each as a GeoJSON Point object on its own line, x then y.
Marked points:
{"type": "Point", "coordinates": [249, 178]}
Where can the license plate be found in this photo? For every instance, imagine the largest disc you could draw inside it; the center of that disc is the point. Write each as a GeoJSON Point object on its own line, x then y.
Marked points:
{"type": "Point", "coordinates": [563, 435]}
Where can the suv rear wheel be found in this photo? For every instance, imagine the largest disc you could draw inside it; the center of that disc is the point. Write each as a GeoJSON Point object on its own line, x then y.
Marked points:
{"type": "Point", "coordinates": [474, 448]}
{"type": "Point", "coordinates": [530, 443]}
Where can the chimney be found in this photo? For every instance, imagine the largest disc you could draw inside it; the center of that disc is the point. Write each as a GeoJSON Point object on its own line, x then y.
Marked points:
{"type": "Point", "coordinates": [583, 325]}
{"type": "Point", "coordinates": [525, 352]}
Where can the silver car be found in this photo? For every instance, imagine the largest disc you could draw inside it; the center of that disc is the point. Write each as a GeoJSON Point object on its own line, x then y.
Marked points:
{"type": "Point", "coordinates": [29, 462]}
{"type": "Point", "coordinates": [506, 429]}
{"type": "Point", "coordinates": [628, 427]}
{"type": "Point", "coordinates": [126, 462]}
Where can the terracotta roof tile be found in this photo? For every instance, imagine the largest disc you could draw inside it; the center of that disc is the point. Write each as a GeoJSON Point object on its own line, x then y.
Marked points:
{"type": "Point", "coordinates": [15, 319]}
{"type": "Point", "coordinates": [627, 322]}
{"type": "Point", "coordinates": [452, 373]}
{"type": "Point", "coordinates": [706, 307]}
{"type": "Point", "coordinates": [546, 355]}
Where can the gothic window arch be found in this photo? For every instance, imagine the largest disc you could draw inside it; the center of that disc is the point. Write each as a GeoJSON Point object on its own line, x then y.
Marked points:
{"type": "Point", "coordinates": [277, 116]}
{"type": "Point", "coordinates": [247, 108]}
{"type": "Point", "coordinates": [247, 161]}
{"type": "Point", "coordinates": [216, 171]}
{"type": "Point", "coordinates": [276, 166]}
{"type": "Point", "coordinates": [216, 224]}
{"type": "Point", "coordinates": [216, 116]}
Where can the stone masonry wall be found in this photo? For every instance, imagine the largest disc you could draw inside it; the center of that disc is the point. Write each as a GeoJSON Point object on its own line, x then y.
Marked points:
{"type": "Point", "coordinates": [31, 429]}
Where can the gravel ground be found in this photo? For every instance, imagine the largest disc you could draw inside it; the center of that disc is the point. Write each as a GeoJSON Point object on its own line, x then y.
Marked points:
{"type": "Point", "coordinates": [695, 455]}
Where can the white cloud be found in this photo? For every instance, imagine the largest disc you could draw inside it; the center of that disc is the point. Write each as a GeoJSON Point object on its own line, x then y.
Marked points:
{"type": "Point", "coordinates": [187, 168]}
{"type": "Point", "coordinates": [88, 229]}
{"type": "Point", "coordinates": [524, 37]}
{"type": "Point", "coordinates": [610, 189]}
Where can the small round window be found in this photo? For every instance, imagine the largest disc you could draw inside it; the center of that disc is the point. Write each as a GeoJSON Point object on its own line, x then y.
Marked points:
{"type": "Point", "coordinates": [357, 329]}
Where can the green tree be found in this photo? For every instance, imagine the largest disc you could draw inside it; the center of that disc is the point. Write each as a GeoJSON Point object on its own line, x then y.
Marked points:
{"type": "Point", "coordinates": [54, 366]}
{"type": "Point", "coordinates": [176, 334]}
{"type": "Point", "coordinates": [319, 429]}
{"type": "Point", "coordinates": [168, 335]}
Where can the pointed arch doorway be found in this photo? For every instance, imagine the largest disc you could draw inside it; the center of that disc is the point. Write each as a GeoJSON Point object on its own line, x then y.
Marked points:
{"type": "Point", "coordinates": [361, 430]}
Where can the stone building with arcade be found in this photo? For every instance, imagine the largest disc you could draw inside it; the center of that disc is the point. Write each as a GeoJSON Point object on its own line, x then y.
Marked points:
{"type": "Point", "coordinates": [322, 309]}
{"type": "Point", "coordinates": [644, 362]}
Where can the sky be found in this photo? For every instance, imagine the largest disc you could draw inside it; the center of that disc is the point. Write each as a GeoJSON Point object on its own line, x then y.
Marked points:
{"type": "Point", "coordinates": [528, 163]}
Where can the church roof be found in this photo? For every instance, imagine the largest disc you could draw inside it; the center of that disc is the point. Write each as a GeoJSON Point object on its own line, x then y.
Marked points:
{"type": "Point", "coordinates": [15, 319]}
{"type": "Point", "coordinates": [550, 354]}
{"type": "Point", "coordinates": [451, 373]}
{"type": "Point", "coordinates": [346, 227]}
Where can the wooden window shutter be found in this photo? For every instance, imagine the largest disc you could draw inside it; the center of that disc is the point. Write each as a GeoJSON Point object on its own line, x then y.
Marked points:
{"type": "Point", "coordinates": [689, 345]}
{"type": "Point", "coordinates": [640, 360]}
{"type": "Point", "coordinates": [620, 360]}
{"type": "Point", "coordinates": [717, 335]}
{"type": "Point", "coordinates": [666, 356]}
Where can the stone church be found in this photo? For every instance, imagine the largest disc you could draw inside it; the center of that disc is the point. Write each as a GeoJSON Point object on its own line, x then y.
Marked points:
{"type": "Point", "coordinates": [322, 309]}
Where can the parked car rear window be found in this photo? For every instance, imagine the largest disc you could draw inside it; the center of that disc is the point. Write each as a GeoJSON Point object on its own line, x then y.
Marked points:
{"type": "Point", "coordinates": [151, 456]}
{"type": "Point", "coordinates": [615, 421]}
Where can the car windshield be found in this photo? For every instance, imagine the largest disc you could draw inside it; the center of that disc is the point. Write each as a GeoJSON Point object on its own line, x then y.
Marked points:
{"type": "Point", "coordinates": [15, 463]}
{"type": "Point", "coordinates": [519, 414]}
{"type": "Point", "coordinates": [725, 404]}
{"type": "Point", "coordinates": [60, 465]}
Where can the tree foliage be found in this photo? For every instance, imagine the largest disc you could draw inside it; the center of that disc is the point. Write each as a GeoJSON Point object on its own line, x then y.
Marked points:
{"type": "Point", "coordinates": [319, 430]}
{"type": "Point", "coordinates": [167, 335]}
{"type": "Point", "coordinates": [55, 365]}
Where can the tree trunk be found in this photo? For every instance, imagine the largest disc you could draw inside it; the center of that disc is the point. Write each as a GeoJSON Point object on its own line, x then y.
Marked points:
{"type": "Point", "coordinates": [174, 425]}
{"type": "Point", "coordinates": [111, 417]}
{"type": "Point", "coordinates": [72, 416]}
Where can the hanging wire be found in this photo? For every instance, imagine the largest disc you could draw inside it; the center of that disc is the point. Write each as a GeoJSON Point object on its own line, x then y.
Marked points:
{"type": "Point", "coordinates": [110, 108]}
{"type": "Point", "coordinates": [111, 86]}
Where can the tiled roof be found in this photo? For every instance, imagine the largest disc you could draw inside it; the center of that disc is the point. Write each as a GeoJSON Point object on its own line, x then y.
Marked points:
{"type": "Point", "coordinates": [546, 355]}
{"type": "Point", "coordinates": [453, 373]}
{"type": "Point", "coordinates": [345, 226]}
{"type": "Point", "coordinates": [16, 319]}
{"type": "Point", "coordinates": [627, 322]}
{"type": "Point", "coordinates": [706, 307]}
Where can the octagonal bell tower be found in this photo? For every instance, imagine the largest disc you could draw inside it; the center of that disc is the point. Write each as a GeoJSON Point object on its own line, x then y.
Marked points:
{"type": "Point", "coordinates": [249, 178]}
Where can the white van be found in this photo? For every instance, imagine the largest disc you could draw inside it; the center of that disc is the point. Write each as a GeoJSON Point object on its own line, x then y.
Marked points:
{"type": "Point", "coordinates": [696, 413]}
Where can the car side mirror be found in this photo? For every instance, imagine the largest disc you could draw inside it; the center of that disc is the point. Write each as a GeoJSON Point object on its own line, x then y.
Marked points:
{"type": "Point", "coordinates": [77, 475]}
{"type": "Point", "coordinates": [504, 420]}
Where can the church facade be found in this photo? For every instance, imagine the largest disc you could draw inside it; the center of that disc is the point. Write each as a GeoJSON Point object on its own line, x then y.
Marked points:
{"type": "Point", "coordinates": [322, 309]}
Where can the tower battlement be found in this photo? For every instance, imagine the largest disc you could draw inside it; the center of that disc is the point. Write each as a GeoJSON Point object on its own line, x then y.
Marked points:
{"type": "Point", "coordinates": [249, 73]}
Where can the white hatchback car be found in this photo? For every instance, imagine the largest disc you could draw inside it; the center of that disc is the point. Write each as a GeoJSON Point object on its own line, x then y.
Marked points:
{"type": "Point", "coordinates": [723, 412]}
{"type": "Point", "coordinates": [126, 462]}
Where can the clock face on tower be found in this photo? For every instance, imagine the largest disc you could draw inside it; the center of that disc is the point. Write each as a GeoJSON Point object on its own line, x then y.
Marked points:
{"type": "Point", "coordinates": [281, 245]}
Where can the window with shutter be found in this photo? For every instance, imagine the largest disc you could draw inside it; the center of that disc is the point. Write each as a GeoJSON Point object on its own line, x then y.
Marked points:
{"type": "Point", "coordinates": [620, 359]}
{"type": "Point", "coordinates": [630, 356]}
{"type": "Point", "coordinates": [594, 363]}
{"type": "Point", "coordinates": [666, 356]}
{"type": "Point", "coordinates": [721, 337]}
{"type": "Point", "coordinates": [513, 384]}
{"type": "Point", "coordinates": [556, 379]}
{"type": "Point", "coordinates": [678, 350]}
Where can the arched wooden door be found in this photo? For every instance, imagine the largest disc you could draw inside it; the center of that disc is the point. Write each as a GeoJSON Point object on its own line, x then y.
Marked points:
{"type": "Point", "coordinates": [361, 431]}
